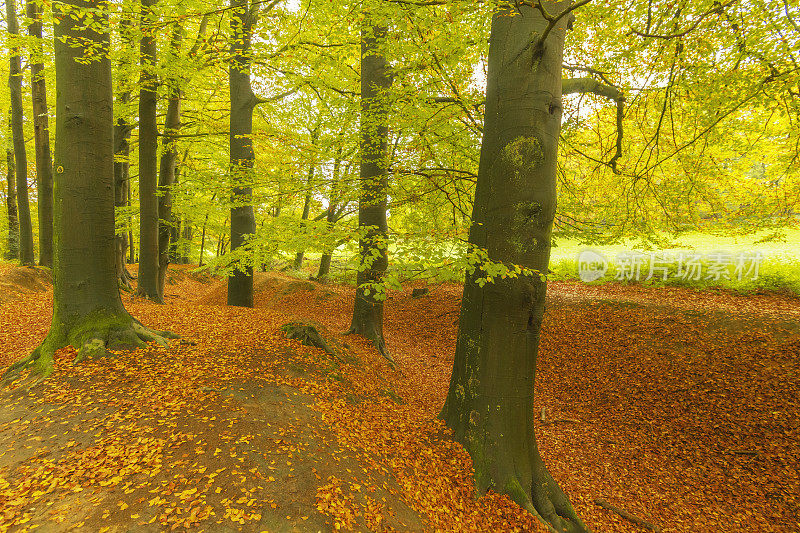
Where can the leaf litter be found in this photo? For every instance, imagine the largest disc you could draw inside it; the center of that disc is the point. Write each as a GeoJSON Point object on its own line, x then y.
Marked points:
{"type": "Point", "coordinates": [682, 410]}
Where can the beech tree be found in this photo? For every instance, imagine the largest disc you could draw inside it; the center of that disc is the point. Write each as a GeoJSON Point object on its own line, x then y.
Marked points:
{"type": "Point", "coordinates": [87, 310]}
{"type": "Point", "coordinates": [12, 241]}
{"type": "Point", "coordinates": [489, 403]}
{"type": "Point", "coordinates": [18, 136]}
{"type": "Point", "coordinates": [376, 79]}
{"type": "Point", "coordinates": [41, 135]}
{"type": "Point", "coordinates": [242, 157]}
{"type": "Point", "coordinates": [148, 160]}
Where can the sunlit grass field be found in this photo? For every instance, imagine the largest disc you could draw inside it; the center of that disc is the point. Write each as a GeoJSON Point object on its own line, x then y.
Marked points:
{"type": "Point", "coordinates": [778, 270]}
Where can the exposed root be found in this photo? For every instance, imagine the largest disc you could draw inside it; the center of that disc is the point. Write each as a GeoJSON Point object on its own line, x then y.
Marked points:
{"type": "Point", "coordinates": [547, 502]}
{"type": "Point", "coordinates": [94, 337]}
{"type": "Point", "coordinates": [378, 342]}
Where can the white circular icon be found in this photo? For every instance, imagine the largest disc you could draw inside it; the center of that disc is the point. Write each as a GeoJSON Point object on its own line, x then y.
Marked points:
{"type": "Point", "coordinates": [592, 265]}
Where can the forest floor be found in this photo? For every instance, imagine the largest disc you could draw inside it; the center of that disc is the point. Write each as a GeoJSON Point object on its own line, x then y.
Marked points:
{"type": "Point", "coordinates": [680, 407]}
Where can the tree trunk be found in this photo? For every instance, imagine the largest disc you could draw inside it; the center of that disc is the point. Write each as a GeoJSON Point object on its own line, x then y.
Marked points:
{"type": "Point", "coordinates": [242, 158]}
{"type": "Point", "coordinates": [167, 170]}
{"type": "Point", "coordinates": [330, 217]}
{"type": "Point", "coordinates": [131, 247]}
{"type": "Point", "coordinates": [122, 132]}
{"type": "Point", "coordinates": [186, 249]}
{"type": "Point", "coordinates": [203, 242]}
{"type": "Point", "coordinates": [148, 161]}
{"type": "Point", "coordinates": [18, 136]}
{"type": "Point", "coordinates": [11, 205]}
{"type": "Point", "coordinates": [298, 260]}
{"type": "Point", "coordinates": [375, 82]}
{"type": "Point", "coordinates": [122, 150]}
{"type": "Point", "coordinates": [489, 404]}
{"type": "Point", "coordinates": [87, 310]}
{"type": "Point", "coordinates": [41, 128]}
{"type": "Point", "coordinates": [174, 237]}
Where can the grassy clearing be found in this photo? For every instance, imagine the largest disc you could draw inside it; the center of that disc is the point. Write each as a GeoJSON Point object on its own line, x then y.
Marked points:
{"type": "Point", "coordinates": [778, 271]}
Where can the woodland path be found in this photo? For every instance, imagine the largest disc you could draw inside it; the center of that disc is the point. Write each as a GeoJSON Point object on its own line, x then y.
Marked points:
{"type": "Point", "coordinates": [678, 406]}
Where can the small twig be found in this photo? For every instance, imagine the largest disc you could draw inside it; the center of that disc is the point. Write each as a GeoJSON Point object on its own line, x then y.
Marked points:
{"type": "Point", "coordinates": [745, 452]}
{"type": "Point", "coordinates": [627, 516]}
{"type": "Point", "coordinates": [543, 418]}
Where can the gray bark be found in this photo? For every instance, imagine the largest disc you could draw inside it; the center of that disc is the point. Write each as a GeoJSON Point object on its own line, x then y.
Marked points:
{"type": "Point", "coordinates": [41, 129]}
{"type": "Point", "coordinates": [376, 80]}
{"type": "Point", "coordinates": [148, 161]}
{"type": "Point", "coordinates": [298, 260]}
{"type": "Point", "coordinates": [242, 157]}
{"type": "Point", "coordinates": [169, 160]}
{"type": "Point", "coordinates": [489, 404]}
{"type": "Point", "coordinates": [87, 309]}
{"type": "Point", "coordinates": [18, 136]}
{"type": "Point", "coordinates": [122, 186]}
{"type": "Point", "coordinates": [12, 242]}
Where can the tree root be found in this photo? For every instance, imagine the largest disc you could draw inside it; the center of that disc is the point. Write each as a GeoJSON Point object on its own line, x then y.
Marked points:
{"type": "Point", "coordinates": [378, 342]}
{"type": "Point", "coordinates": [547, 502]}
{"type": "Point", "coordinates": [628, 516]}
{"type": "Point", "coordinates": [93, 337]}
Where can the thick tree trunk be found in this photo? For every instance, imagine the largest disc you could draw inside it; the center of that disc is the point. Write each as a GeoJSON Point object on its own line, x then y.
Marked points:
{"type": "Point", "coordinates": [11, 207]}
{"type": "Point", "coordinates": [242, 158]}
{"type": "Point", "coordinates": [167, 174]}
{"type": "Point", "coordinates": [41, 129]}
{"type": "Point", "coordinates": [375, 82]}
{"type": "Point", "coordinates": [18, 136]}
{"type": "Point", "coordinates": [87, 309]}
{"type": "Point", "coordinates": [324, 266]}
{"type": "Point", "coordinates": [489, 404]}
{"type": "Point", "coordinates": [148, 161]}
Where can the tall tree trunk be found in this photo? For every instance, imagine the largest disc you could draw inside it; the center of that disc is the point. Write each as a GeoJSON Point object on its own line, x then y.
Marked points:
{"type": "Point", "coordinates": [489, 404]}
{"type": "Point", "coordinates": [174, 237]}
{"type": "Point", "coordinates": [169, 160]}
{"type": "Point", "coordinates": [18, 136]}
{"type": "Point", "coordinates": [87, 310]}
{"type": "Point", "coordinates": [122, 150]}
{"type": "Point", "coordinates": [122, 132]}
{"type": "Point", "coordinates": [330, 216]}
{"type": "Point", "coordinates": [186, 249]}
{"type": "Point", "coordinates": [376, 80]}
{"type": "Point", "coordinates": [298, 260]}
{"type": "Point", "coordinates": [11, 204]}
{"type": "Point", "coordinates": [41, 128]}
{"type": "Point", "coordinates": [131, 247]}
{"type": "Point", "coordinates": [148, 160]}
{"type": "Point", "coordinates": [203, 238]}
{"type": "Point", "coordinates": [242, 158]}
{"type": "Point", "coordinates": [203, 242]}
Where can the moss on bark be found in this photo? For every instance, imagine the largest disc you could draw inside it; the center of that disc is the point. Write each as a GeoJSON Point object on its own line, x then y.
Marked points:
{"type": "Point", "coordinates": [94, 335]}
